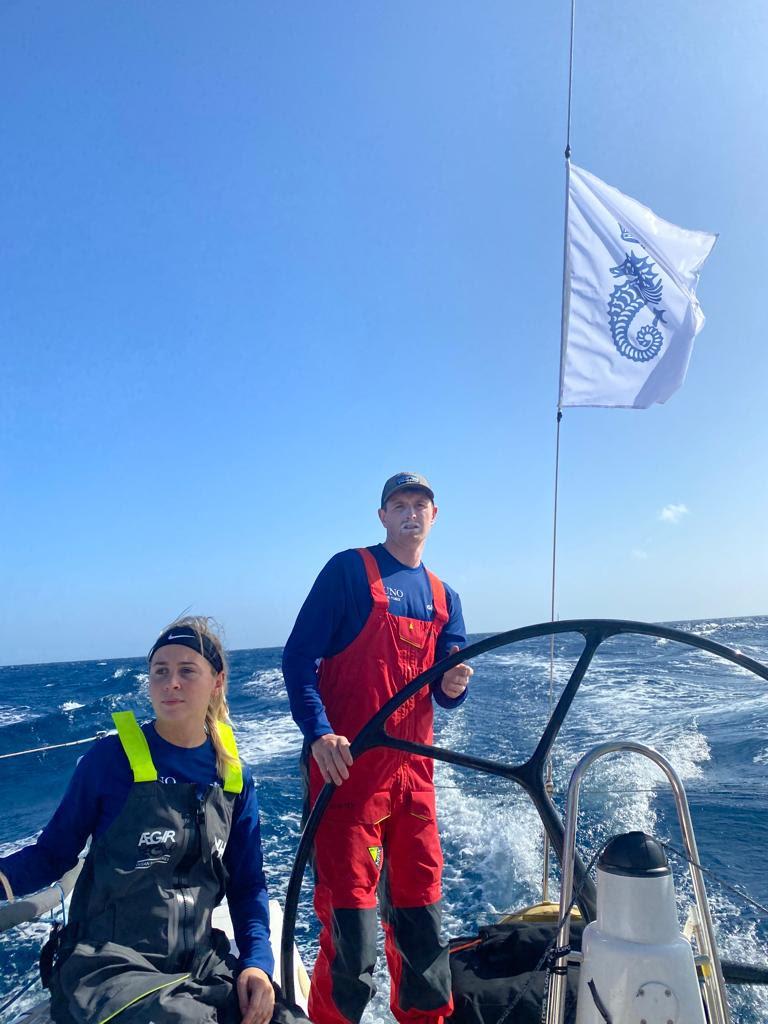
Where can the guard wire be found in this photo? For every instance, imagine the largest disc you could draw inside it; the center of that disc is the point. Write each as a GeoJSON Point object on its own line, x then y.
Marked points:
{"type": "Point", "coordinates": [17, 995]}
{"type": "Point", "coordinates": [56, 746]}
{"type": "Point", "coordinates": [717, 878]}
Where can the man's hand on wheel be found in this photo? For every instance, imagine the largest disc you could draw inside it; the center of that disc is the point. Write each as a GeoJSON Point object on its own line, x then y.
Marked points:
{"type": "Point", "coordinates": [333, 757]}
{"type": "Point", "coordinates": [456, 679]}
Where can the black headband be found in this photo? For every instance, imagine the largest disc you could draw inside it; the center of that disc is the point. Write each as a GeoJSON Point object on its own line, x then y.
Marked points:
{"type": "Point", "coordinates": [188, 637]}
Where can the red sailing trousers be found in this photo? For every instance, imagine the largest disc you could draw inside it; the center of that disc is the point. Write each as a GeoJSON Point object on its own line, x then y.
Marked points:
{"type": "Point", "coordinates": [379, 833]}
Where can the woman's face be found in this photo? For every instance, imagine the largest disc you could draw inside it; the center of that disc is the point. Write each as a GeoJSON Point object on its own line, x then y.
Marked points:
{"type": "Point", "coordinates": [181, 684]}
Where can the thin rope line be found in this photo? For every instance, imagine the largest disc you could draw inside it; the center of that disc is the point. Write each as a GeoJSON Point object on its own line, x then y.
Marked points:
{"type": "Point", "coordinates": [712, 874]}
{"type": "Point", "coordinates": [18, 994]}
{"type": "Point", "coordinates": [554, 564]}
{"type": "Point", "coordinates": [565, 295]}
{"type": "Point", "coordinates": [564, 303]}
{"type": "Point", "coordinates": [57, 746]}
{"type": "Point", "coordinates": [570, 80]}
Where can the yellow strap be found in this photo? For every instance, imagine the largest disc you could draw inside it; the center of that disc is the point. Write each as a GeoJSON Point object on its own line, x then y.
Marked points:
{"type": "Point", "coordinates": [135, 746]}
{"type": "Point", "coordinates": [233, 776]}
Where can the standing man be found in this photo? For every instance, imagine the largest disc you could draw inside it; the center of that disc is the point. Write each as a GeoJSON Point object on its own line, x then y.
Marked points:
{"type": "Point", "coordinates": [374, 619]}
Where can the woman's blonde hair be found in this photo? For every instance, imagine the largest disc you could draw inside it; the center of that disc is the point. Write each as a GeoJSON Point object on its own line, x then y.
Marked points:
{"type": "Point", "coordinates": [218, 709]}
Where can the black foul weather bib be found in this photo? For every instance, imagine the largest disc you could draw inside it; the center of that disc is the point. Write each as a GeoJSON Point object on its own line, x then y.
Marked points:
{"type": "Point", "coordinates": [139, 947]}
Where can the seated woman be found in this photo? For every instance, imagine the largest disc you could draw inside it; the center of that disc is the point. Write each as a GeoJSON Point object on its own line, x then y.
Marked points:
{"type": "Point", "coordinates": [174, 826]}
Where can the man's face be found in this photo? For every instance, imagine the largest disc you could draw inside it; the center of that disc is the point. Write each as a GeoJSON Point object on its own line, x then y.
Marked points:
{"type": "Point", "coordinates": [408, 516]}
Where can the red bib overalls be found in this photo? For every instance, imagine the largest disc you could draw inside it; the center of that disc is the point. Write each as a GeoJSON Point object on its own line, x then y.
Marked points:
{"type": "Point", "coordinates": [380, 829]}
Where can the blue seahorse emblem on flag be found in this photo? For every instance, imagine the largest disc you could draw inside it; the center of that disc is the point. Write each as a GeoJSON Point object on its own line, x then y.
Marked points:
{"type": "Point", "coordinates": [641, 289]}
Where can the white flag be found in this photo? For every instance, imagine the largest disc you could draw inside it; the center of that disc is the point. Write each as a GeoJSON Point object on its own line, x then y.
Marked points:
{"type": "Point", "coordinates": [631, 312]}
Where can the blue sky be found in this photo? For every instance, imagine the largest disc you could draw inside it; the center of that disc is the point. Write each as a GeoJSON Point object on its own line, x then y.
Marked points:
{"type": "Point", "coordinates": [254, 258]}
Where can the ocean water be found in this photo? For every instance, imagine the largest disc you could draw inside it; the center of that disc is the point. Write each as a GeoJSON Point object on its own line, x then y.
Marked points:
{"type": "Point", "coordinates": [709, 718]}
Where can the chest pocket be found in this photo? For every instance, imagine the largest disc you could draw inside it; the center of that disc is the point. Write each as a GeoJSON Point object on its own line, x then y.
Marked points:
{"type": "Point", "coordinates": [414, 632]}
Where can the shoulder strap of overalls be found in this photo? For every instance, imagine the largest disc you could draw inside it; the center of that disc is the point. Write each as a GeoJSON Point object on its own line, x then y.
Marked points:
{"type": "Point", "coordinates": [380, 599]}
{"type": "Point", "coordinates": [135, 746]}
{"type": "Point", "coordinates": [438, 600]}
{"type": "Point", "coordinates": [233, 773]}
{"type": "Point", "coordinates": [136, 749]}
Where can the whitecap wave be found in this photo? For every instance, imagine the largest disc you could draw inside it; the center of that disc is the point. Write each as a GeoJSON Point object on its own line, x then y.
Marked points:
{"type": "Point", "coordinates": [492, 837]}
{"type": "Point", "coordinates": [17, 844]}
{"type": "Point", "coordinates": [269, 678]}
{"type": "Point", "coordinates": [10, 715]}
{"type": "Point", "coordinates": [266, 738]}
{"type": "Point", "coordinates": [71, 705]}
{"type": "Point", "coordinates": [120, 672]}
{"type": "Point", "coordinates": [687, 752]}
{"type": "Point", "coordinates": [496, 840]}
{"type": "Point", "coordinates": [618, 795]}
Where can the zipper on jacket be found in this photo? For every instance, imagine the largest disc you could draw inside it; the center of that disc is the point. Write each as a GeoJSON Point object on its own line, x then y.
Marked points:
{"type": "Point", "coordinates": [192, 854]}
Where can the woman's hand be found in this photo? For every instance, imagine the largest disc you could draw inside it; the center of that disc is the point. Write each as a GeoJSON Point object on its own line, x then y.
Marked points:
{"type": "Point", "coordinates": [256, 996]}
